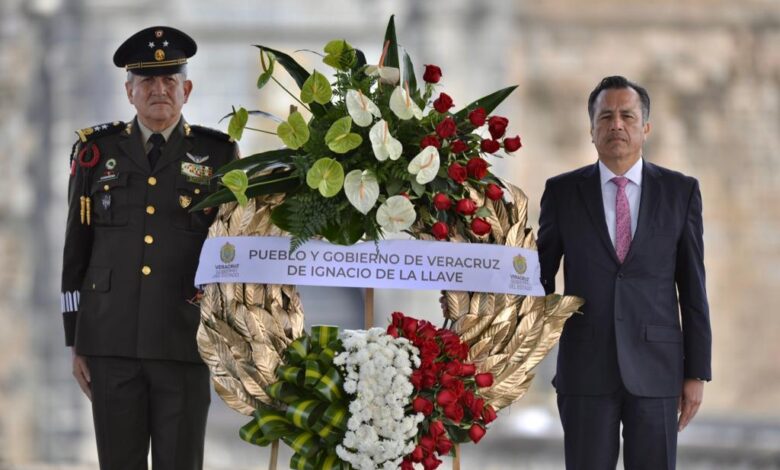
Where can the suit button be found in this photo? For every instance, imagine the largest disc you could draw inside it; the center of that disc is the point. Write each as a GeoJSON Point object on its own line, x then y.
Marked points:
{"type": "Point", "coordinates": [146, 270]}
{"type": "Point", "coordinates": [148, 239]}
{"type": "Point", "coordinates": [620, 275]}
{"type": "Point", "coordinates": [150, 210]}
{"type": "Point", "coordinates": [152, 181]}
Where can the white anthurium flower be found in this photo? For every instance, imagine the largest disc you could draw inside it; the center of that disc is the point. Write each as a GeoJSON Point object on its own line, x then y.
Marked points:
{"type": "Point", "coordinates": [403, 105]}
{"type": "Point", "coordinates": [425, 165]}
{"type": "Point", "coordinates": [385, 145]}
{"type": "Point", "coordinates": [362, 190]}
{"type": "Point", "coordinates": [396, 214]}
{"type": "Point", "coordinates": [387, 75]}
{"type": "Point", "coordinates": [361, 109]}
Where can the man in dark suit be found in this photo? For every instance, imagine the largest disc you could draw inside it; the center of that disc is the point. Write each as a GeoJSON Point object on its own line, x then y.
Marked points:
{"type": "Point", "coordinates": [131, 250]}
{"type": "Point", "coordinates": [630, 235]}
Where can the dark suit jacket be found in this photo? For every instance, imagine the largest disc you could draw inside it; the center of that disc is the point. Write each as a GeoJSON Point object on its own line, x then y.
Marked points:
{"type": "Point", "coordinates": [128, 275]}
{"type": "Point", "coordinates": [645, 322]}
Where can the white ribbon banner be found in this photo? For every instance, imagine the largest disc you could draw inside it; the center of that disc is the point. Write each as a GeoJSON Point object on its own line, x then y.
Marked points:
{"type": "Point", "coordinates": [388, 264]}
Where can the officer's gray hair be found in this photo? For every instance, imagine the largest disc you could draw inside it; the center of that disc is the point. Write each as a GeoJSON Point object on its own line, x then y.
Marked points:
{"type": "Point", "coordinates": [181, 73]}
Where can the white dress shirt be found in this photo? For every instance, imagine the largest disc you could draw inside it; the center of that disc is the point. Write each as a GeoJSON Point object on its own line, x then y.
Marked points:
{"type": "Point", "coordinates": [609, 194]}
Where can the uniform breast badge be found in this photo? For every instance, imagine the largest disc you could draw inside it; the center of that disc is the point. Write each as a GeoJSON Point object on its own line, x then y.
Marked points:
{"type": "Point", "coordinates": [185, 201]}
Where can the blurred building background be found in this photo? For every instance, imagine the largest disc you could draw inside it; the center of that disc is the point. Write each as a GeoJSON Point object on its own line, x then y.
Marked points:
{"type": "Point", "coordinates": [713, 71]}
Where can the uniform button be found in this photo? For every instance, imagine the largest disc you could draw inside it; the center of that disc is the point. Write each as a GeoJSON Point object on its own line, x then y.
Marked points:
{"type": "Point", "coordinates": [197, 191]}
{"type": "Point", "coordinates": [106, 188]}
{"type": "Point", "coordinates": [148, 239]}
{"type": "Point", "coordinates": [150, 210]}
{"type": "Point", "coordinates": [146, 270]}
{"type": "Point", "coordinates": [152, 181]}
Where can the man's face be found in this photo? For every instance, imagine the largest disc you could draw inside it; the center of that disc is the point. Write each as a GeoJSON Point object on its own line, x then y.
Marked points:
{"type": "Point", "coordinates": [618, 130]}
{"type": "Point", "coordinates": [158, 99]}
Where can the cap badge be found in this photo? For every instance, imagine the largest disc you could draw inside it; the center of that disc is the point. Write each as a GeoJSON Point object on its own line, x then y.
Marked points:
{"type": "Point", "coordinates": [159, 55]}
{"type": "Point", "coordinates": [158, 34]}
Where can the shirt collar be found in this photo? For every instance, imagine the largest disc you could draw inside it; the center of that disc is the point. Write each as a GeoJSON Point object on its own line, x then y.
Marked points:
{"type": "Point", "coordinates": [146, 132]}
{"type": "Point", "coordinates": [634, 174]}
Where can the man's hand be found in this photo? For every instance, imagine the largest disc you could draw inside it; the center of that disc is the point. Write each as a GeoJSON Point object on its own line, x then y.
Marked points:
{"type": "Point", "coordinates": [690, 400]}
{"type": "Point", "coordinates": [81, 372]}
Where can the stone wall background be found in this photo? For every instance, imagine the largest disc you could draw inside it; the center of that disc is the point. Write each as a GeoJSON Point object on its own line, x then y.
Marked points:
{"type": "Point", "coordinates": [711, 66]}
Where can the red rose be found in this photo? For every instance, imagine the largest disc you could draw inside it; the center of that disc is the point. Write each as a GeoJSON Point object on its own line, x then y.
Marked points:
{"type": "Point", "coordinates": [409, 325]}
{"type": "Point", "coordinates": [417, 454]}
{"type": "Point", "coordinates": [429, 350]}
{"type": "Point", "coordinates": [477, 168]}
{"type": "Point", "coordinates": [430, 140]}
{"type": "Point", "coordinates": [489, 146]}
{"type": "Point", "coordinates": [430, 462]}
{"type": "Point", "coordinates": [467, 370]}
{"type": "Point", "coordinates": [443, 103]}
{"type": "Point", "coordinates": [440, 231]}
{"type": "Point", "coordinates": [484, 379]}
{"type": "Point", "coordinates": [454, 412]}
{"type": "Point", "coordinates": [426, 330]}
{"type": "Point", "coordinates": [488, 414]}
{"type": "Point", "coordinates": [453, 368]}
{"type": "Point", "coordinates": [477, 117]}
{"type": "Point", "coordinates": [476, 432]}
{"type": "Point", "coordinates": [497, 126]}
{"type": "Point", "coordinates": [445, 398]}
{"type": "Point", "coordinates": [408, 465]}
{"type": "Point", "coordinates": [476, 407]}
{"type": "Point", "coordinates": [457, 172]}
{"type": "Point", "coordinates": [437, 429]}
{"type": "Point", "coordinates": [422, 405]}
{"type": "Point", "coordinates": [432, 74]}
{"type": "Point", "coordinates": [448, 380]}
{"type": "Point", "coordinates": [512, 143]}
{"type": "Point", "coordinates": [494, 192]}
{"type": "Point", "coordinates": [446, 128]}
{"type": "Point", "coordinates": [466, 207]}
{"type": "Point", "coordinates": [392, 330]}
{"type": "Point", "coordinates": [428, 444]}
{"type": "Point", "coordinates": [442, 202]}
{"type": "Point", "coordinates": [480, 226]}
{"type": "Point", "coordinates": [459, 146]}
{"type": "Point", "coordinates": [443, 446]}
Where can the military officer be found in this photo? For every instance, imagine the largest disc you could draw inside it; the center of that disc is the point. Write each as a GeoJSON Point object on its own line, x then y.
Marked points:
{"type": "Point", "coordinates": [131, 250]}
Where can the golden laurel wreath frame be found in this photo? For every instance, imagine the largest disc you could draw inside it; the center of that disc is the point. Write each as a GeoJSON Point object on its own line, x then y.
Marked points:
{"type": "Point", "coordinates": [245, 328]}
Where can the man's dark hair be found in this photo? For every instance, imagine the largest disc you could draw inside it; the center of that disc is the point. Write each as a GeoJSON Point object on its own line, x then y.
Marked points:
{"type": "Point", "coordinates": [617, 82]}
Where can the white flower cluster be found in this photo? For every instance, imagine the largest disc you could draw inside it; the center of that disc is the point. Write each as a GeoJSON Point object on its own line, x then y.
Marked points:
{"type": "Point", "coordinates": [377, 369]}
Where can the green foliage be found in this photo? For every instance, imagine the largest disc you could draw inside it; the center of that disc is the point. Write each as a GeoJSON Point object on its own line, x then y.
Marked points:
{"type": "Point", "coordinates": [294, 132]}
{"type": "Point", "coordinates": [237, 182]}
{"type": "Point", "coordinates": [237, 123]}
{"type": "Point", "coordinates": [316, 88]}
{"type": "Point", "coordinates": [340, 55]}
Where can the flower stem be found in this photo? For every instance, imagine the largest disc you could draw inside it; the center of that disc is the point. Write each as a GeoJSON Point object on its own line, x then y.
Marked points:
{"type": "Point", "coordinates": [288, 92]}
{"type": "Point", "coordinates": [260, 130]}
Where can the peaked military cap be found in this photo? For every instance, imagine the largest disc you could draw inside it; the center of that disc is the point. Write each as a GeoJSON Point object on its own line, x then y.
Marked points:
{"type": "Point", "coordinates": [159, 50]}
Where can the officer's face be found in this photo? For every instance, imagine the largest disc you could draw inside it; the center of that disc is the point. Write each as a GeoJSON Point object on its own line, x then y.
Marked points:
{"type": "Point", "coordinates": [158, 99]}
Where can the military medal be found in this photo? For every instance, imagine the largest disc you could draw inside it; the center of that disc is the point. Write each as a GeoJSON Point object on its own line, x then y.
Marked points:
{"type": "Point", "coordinates": [196, 158]}
{"type": "Point", "coordinates": [110, 164]}
{"type": "Point", "coordinates": [196, 173]}
{"type": "Point", "coordinates": [184, 201]}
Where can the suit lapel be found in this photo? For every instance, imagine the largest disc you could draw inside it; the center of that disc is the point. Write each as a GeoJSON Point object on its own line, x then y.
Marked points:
{"type": "Point", "coordinates": [648, 204]}
{"type": "Point", "coordinates": [173, 149]}
{"type": "Point", "coordinates": [130, 144]}
{"type": "Point", "coordinates": [590, 189]}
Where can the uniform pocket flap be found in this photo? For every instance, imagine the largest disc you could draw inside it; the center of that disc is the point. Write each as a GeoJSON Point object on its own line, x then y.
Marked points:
{"type": "Point", "coordinates": [663, 334]}
{"type": "Point", "coordinates": [97, 280]}
{"type": "Point", "coordinates": [109, 182]}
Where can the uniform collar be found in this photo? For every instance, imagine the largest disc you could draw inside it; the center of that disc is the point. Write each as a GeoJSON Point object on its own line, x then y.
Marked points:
{"type": "Point", "coordinates": [146, 132]}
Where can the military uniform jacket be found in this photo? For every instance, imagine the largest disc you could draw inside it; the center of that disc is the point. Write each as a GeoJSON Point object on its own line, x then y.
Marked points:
{"type": "Point", "coordinates": [128, 275]}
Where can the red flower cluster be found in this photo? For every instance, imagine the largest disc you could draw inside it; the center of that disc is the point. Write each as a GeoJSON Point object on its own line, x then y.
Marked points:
{"type": "Point", "coordinates": [446, 391]}
{"type": "Point", "coordinates": [460, 150]}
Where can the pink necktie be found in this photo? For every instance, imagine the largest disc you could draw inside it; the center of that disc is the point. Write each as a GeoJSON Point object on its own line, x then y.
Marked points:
{"type": "Point", "coordinates": [622, 218]}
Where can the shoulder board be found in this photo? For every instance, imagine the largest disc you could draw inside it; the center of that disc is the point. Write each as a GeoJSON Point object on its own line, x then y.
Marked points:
{"type": "Point", "coordinates": [90, 133]}
{"type": "Point", "coordinates": [191, 129]}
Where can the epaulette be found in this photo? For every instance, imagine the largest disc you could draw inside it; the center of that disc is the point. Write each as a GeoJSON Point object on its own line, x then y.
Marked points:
{"type": "Point", "coordinates": [207, 131]}
{"type": "Point", "coordinates": [89, 133]}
